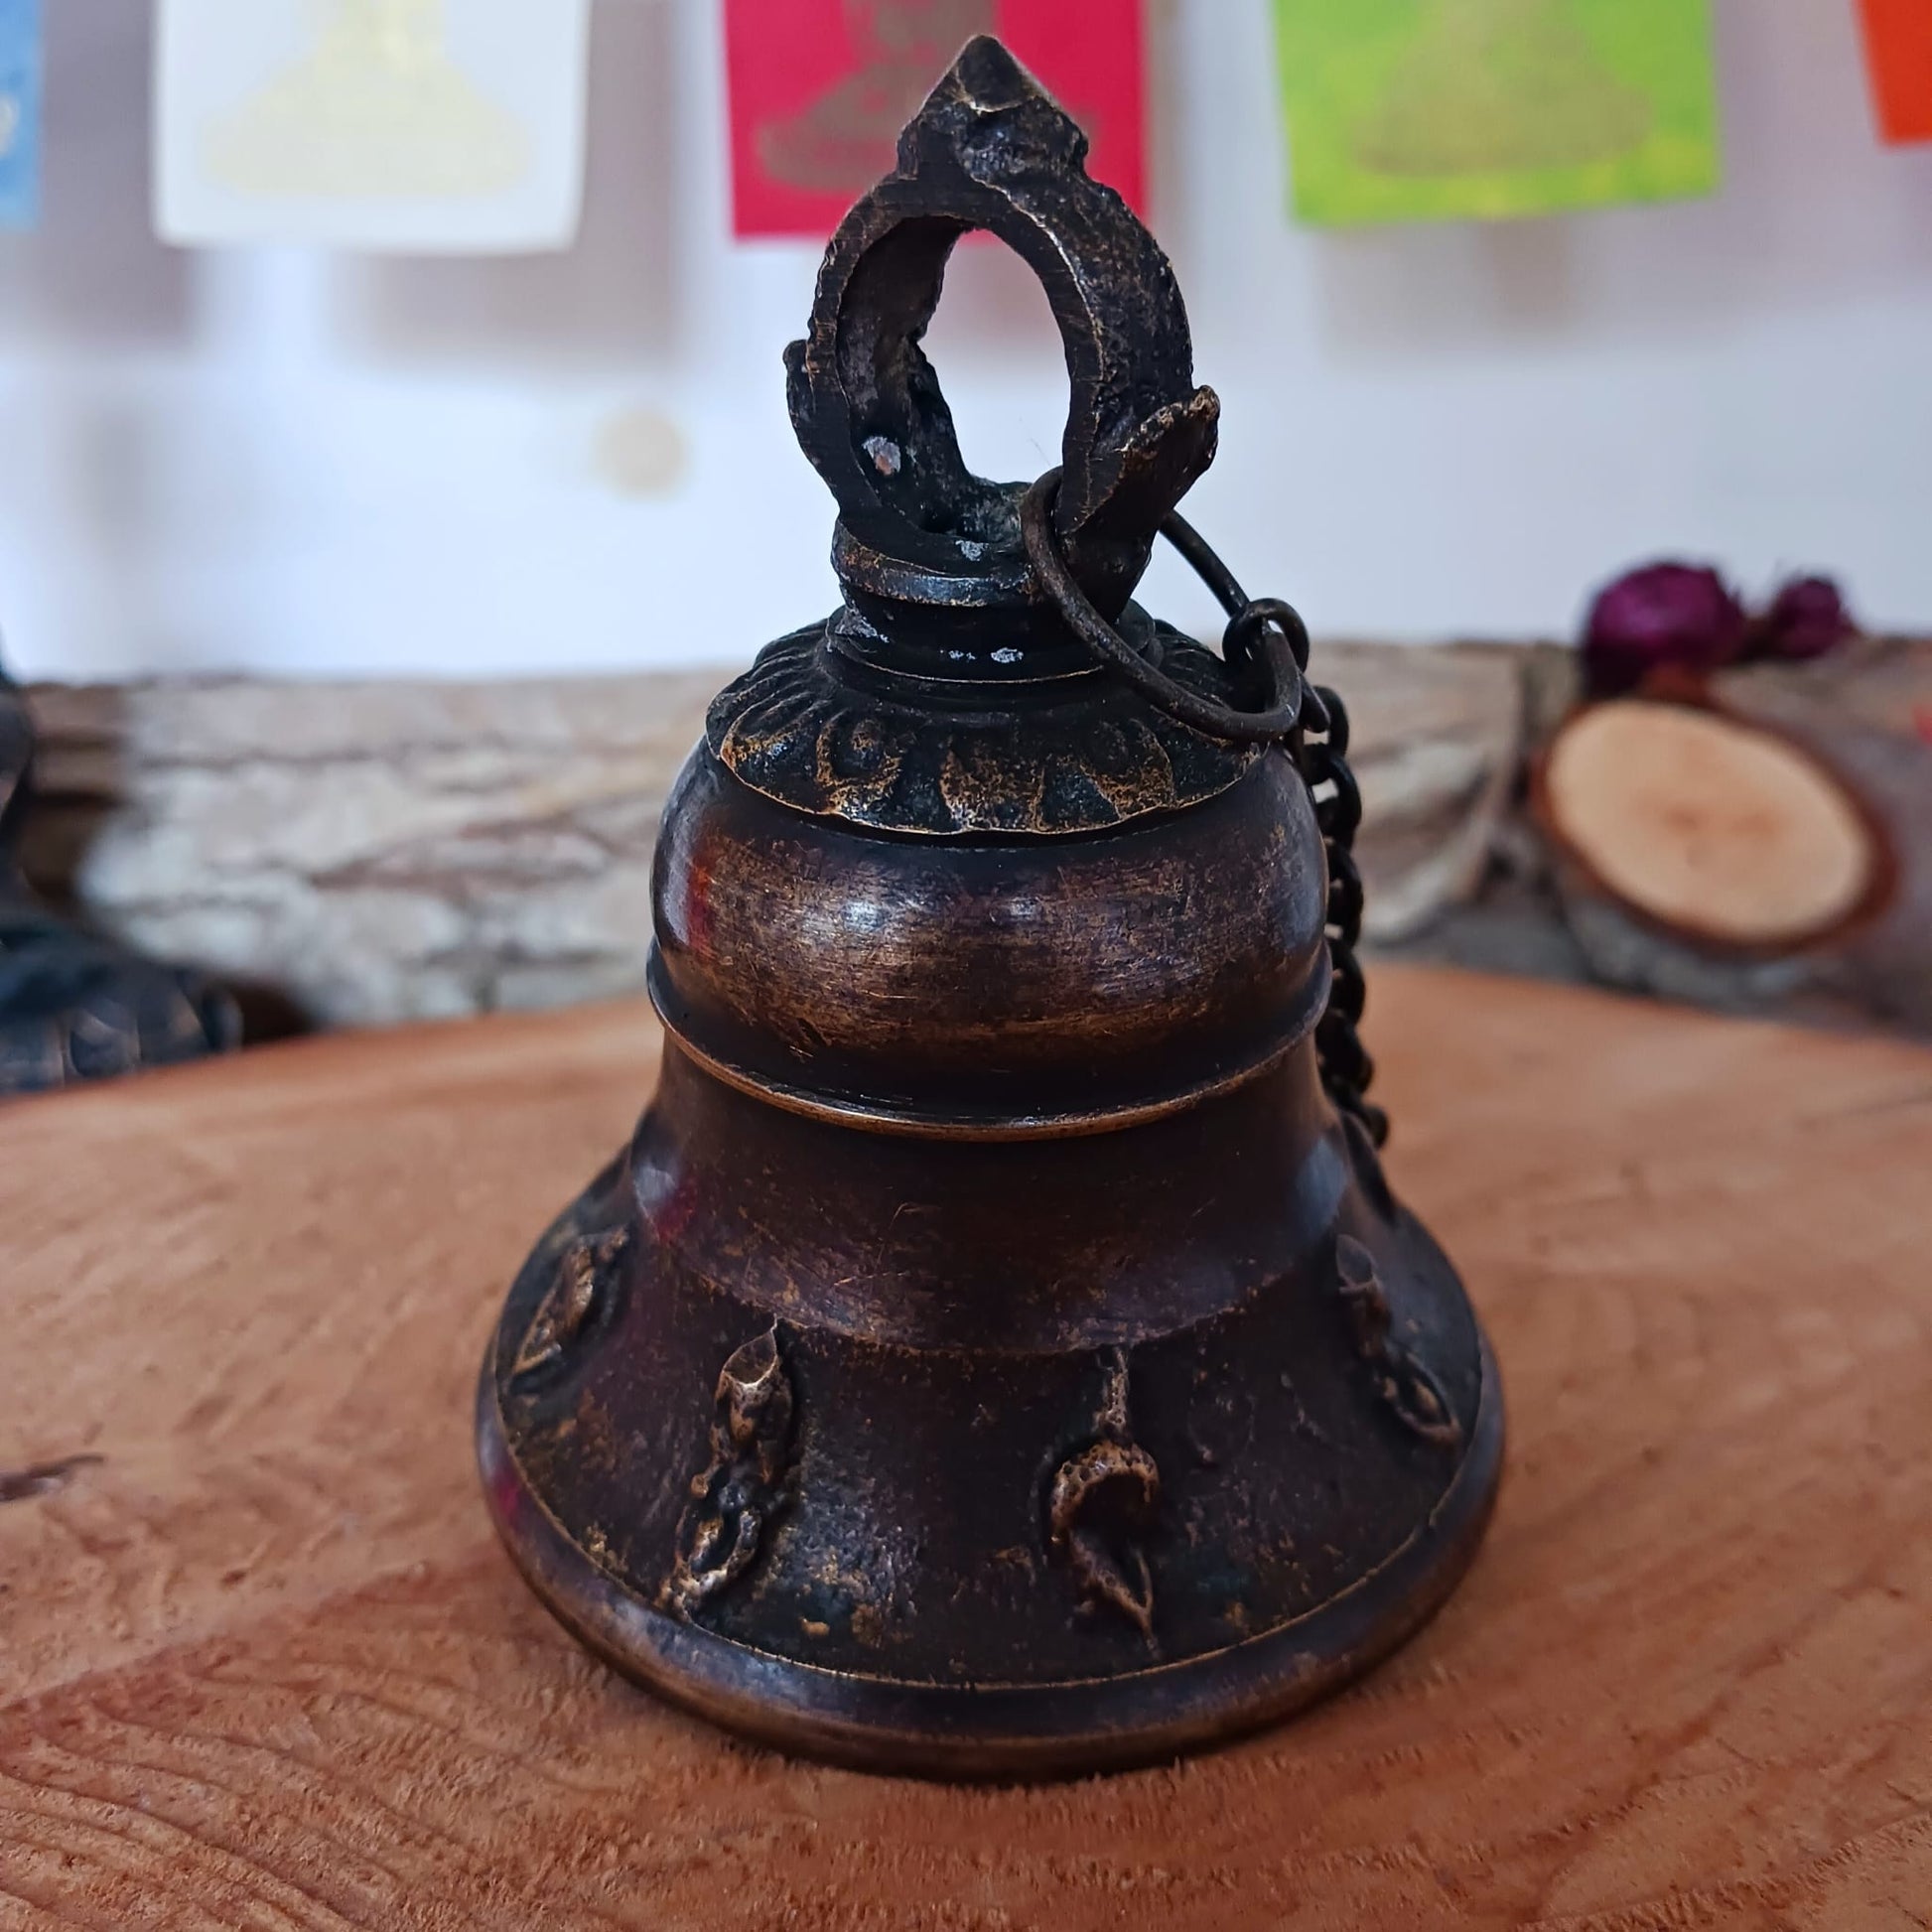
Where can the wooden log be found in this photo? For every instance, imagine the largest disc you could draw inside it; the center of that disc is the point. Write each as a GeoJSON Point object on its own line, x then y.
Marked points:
{"type": "Point", "coordinates": [263, 1663]}
{"type": "Point", "coordinates": [1865, 715]}
{"type": "Point", "coordinates": [1719, 832]}
{"type": "Point", "coordinates": [1435, 742]}
{"type": "Point", "coordinates": [375, 851]}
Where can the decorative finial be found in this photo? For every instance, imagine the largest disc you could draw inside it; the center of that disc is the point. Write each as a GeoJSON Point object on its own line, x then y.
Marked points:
{"type": "Point", "coordinates": [991, 149]}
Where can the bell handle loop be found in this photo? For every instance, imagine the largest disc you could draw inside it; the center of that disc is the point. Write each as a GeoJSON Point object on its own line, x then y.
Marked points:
{"type": "Point", "coordinates": [990, 151]}
{"type": "Point", "coordinates": [1276, 645]}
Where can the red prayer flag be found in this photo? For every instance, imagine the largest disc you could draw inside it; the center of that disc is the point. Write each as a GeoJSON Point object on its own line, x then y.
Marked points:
{"type": "Point", "coordinates": [1899, 45]}
{"type": "Point", "coordinates": [820, 88]}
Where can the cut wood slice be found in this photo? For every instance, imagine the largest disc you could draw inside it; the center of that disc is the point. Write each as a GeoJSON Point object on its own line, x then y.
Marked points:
{"type": "Point", "coordinates": [1715, 828]}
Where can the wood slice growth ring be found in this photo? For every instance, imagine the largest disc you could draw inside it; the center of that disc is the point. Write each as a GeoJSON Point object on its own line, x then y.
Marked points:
{"type": "Point", "coordinates": [1710, 827]}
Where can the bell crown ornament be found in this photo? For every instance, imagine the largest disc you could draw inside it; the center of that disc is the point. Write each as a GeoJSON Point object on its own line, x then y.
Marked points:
{"type": "Point", "coordinates": [998, 1350]}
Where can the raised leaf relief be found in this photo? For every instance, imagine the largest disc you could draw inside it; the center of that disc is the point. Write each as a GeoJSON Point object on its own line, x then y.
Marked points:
{"type": "Point", "coordinates": [1103, 1502]}
{"type": "Point", "coordinates": [735, 1496]}
{"type": "Point", "coordinates": [583, 1278]}
{"type": "Point", "coordinates": [1402, 1378]}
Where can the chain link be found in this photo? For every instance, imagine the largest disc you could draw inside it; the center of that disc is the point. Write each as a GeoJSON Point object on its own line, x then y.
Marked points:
{"type": "Point", "coordinates": [1267, 639]}
{"type": "Point", "coordinates": [1264, 653]}
{"type": "Point", "coordinates": [1346, 1069]}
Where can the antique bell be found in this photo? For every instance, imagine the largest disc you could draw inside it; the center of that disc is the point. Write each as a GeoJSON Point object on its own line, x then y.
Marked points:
{"type": "Point", "coordinates": [999, 1352]}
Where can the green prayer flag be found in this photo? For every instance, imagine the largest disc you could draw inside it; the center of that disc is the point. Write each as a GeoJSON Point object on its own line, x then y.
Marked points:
{"type": "Point", "coordinates": [1416, 110]}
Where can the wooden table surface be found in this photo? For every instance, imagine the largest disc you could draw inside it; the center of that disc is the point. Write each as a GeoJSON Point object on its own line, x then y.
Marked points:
{"type": "Point", "coordinates": [262, 1664]}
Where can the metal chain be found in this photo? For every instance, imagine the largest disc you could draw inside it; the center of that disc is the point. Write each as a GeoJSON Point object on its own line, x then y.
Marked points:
{"type": "Point", "coordinates": [1346, 1069]}
{"type": "Point", "coordinates": [1264, 635]}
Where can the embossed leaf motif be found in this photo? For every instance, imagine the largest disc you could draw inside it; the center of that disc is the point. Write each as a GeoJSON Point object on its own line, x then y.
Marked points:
{"type": "Point", "coordinates": [738, 1493]}
{"type": "Point", "coordinates": [1402, 1379]}
{"type": "Point", "coordinates": [1103, 1501]}
{"type": "Point", "coordinates": [792, 730]}
{"type": "Point", "coordinates": [566, 1310]}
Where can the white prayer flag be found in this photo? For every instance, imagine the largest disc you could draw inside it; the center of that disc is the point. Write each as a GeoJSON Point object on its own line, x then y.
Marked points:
{"type": "Point", "coordinates": [408, 126]}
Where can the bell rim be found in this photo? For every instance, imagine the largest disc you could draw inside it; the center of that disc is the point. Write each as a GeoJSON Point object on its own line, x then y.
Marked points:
{"type": "Point", "coordinates": [976, 1733]}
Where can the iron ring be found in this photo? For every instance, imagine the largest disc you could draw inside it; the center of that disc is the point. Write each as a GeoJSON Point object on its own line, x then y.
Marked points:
{"type": "Point", "coordinates": [1268, 726]}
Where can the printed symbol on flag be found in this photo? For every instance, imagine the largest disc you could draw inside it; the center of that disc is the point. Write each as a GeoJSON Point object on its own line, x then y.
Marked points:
{"type": "Point", "coordinates": [820, 88]}
{"type": "Point", "coordinates": [1496, 85]}
{"type": "Point", "coordinates": [377, 109]}
{"type": "Point", "coordinates": [848, 137]}
{"type": "Point", "coordinates": [1406, 110]}
{"type": "Point", "coordinates": [438, 126]}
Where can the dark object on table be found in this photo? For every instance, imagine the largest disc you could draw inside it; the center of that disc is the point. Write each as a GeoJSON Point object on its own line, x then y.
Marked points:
{"type": "Point", "coordinates": [75, 1005]}
{"type": "Point", "coordinates": [1665, 617]}
{"type": "Point", "coordinates": [998, 1350]}
{"type": "Point", "coordinates": [1681, 622]}
{"type": "Point", "coordinates": [1806, 618]}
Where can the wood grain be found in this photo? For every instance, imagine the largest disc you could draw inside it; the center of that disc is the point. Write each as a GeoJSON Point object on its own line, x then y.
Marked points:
{"type": "Point", "coordinates": [261, 1664]}
{"type": "Point", "coordinates": [1866, 714]}
{"type": "Point", "coordinates": [1709, 825]}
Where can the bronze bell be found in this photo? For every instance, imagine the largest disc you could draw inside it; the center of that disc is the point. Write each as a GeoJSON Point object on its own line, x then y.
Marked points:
{"type": "Point", "coordinates": [998, 1350]}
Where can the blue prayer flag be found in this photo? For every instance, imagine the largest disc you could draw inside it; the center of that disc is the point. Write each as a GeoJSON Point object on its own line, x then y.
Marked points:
{"type": "Point", "coordinates": [20, 113]}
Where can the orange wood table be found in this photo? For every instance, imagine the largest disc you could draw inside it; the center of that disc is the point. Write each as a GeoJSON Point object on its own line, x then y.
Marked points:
{"type": "Point", "coordinates": [262, 1664]}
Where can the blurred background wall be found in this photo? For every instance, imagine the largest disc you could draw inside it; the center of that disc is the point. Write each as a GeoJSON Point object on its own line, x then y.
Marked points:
{"type": "Point", "coordinates": [298, 464]}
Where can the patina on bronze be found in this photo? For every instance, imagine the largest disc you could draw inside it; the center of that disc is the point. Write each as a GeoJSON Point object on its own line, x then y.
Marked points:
{"type": "Point", "coordinates": [999, 1352]}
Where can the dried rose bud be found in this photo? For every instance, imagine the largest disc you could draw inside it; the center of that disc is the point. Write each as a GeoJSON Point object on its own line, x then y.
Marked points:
{"type": "Point", "coordinates": [1678, 617]}
{"type": "Point", "coordinates": [1807, 619]}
